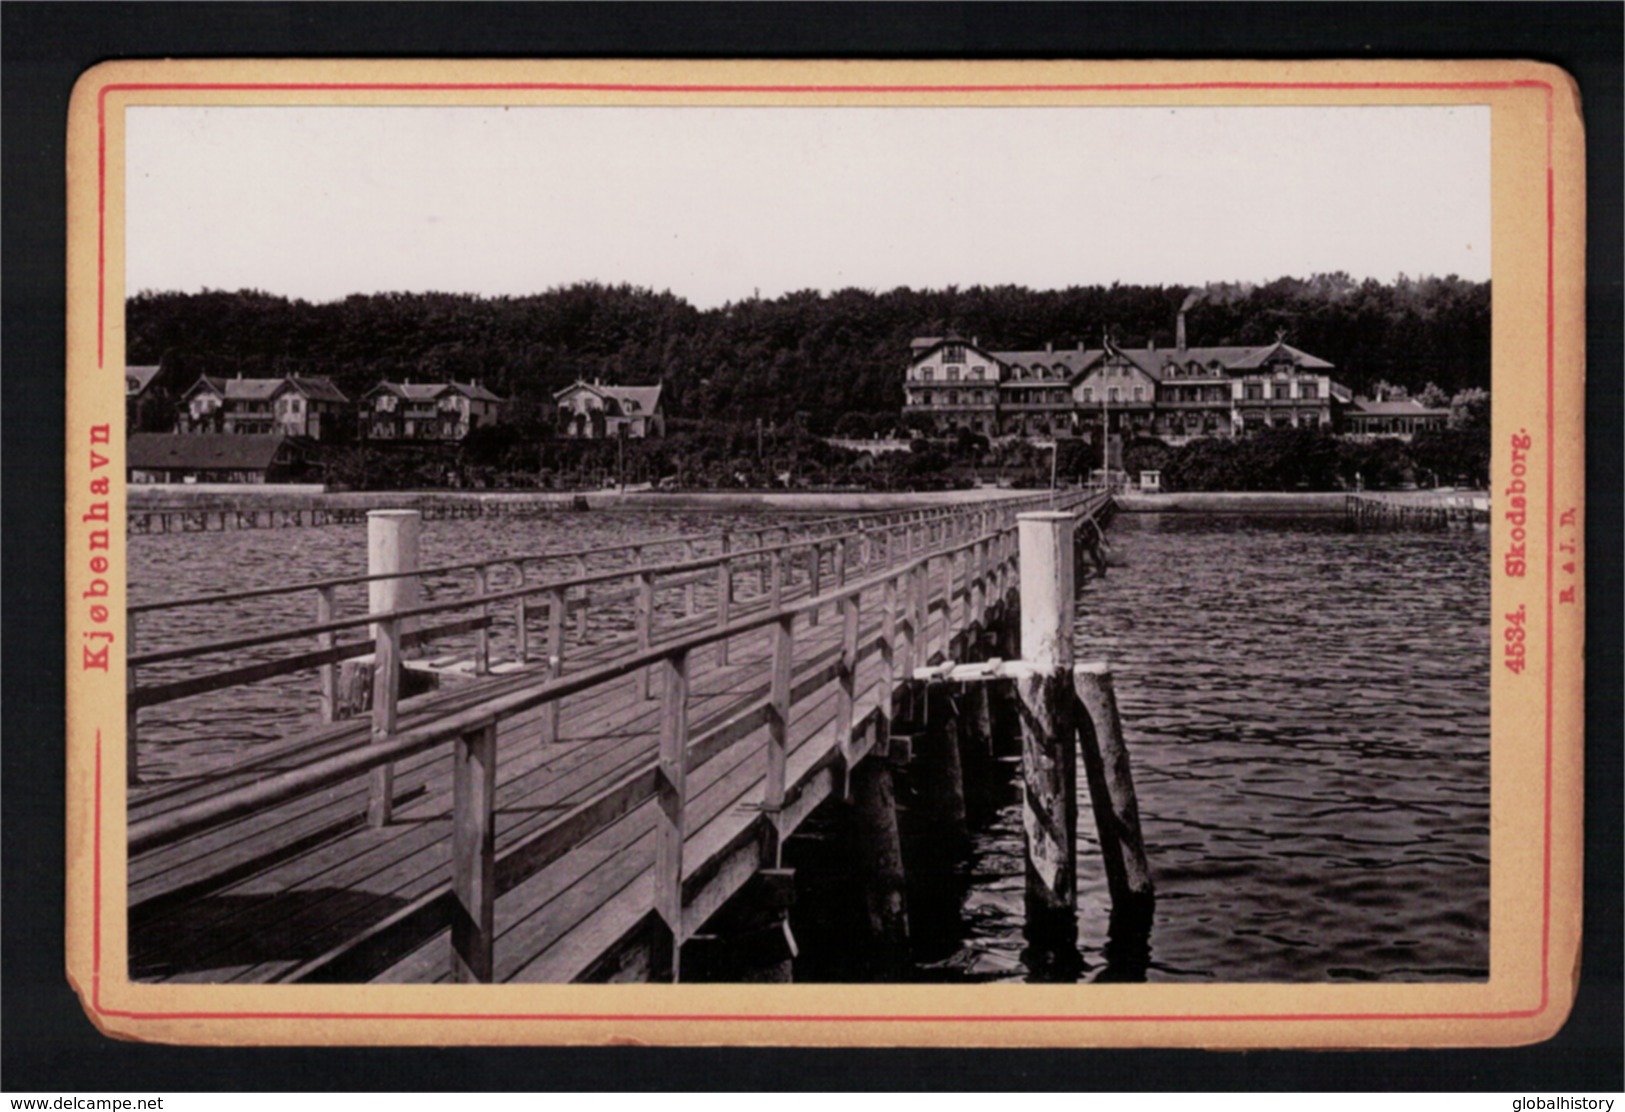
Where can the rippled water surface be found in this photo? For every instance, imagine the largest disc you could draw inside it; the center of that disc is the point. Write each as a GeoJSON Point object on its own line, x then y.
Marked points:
{"type": "Point", "coordinates": [1307, 712]}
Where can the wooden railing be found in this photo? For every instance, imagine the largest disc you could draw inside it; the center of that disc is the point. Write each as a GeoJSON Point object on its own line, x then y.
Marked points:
{"type": "Point", "coordinates": [914, 565]}
{"type": "Point", "coordinates": [566, 595]}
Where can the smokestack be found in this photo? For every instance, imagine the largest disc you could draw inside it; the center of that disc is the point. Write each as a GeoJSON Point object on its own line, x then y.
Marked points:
{"type": "Point", "coordinates": [1179, 327]}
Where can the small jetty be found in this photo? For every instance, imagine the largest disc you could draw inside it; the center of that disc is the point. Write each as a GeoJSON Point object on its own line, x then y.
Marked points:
{"type": "Point", "coordinates": [607, 800]}
{"type": "Point", "coordinates": [1424, 511]}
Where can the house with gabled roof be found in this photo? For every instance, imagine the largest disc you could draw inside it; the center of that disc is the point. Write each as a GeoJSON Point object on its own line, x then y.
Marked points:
{"type": "Point", "coordinates": [427, 410]}
{"type": "Point", "coordinates": [146, 401]}
{"type": "Point", "coordinates": [211, 457]}
{"type": "Point", "coordinates": [593, 410]}
{"type": "Point", "coordinates": [294, 405]}
{"type": "Point", "coordinates": [1174, 394]}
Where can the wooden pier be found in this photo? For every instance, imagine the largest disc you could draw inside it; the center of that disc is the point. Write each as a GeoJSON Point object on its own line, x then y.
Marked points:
{"type": "Point", "coordinates": [585, 809]}
{"type": "Point", "coordinates": [1366, 512]}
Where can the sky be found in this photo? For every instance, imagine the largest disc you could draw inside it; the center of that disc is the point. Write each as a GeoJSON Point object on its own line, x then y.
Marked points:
{"type": "Point", "coordinates": [721, 204]}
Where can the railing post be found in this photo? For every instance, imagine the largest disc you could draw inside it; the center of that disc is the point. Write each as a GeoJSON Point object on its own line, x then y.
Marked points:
{"type": "Point", "coordinates": [330, 671]}
{"type": "Point", "coordinates": [671, 794]}
{"type": "Point", "coordinates": [888, 641]}
{"type": "Point", "coordinates": [778, 737]}
{"type": "Point", "coordinates": [646, 618]}
{"type": "Point", "coordinates": [839, 556]}
{"type": "Point", "coordinates": [776, 588]}
{"type": "Point", "coordinates": [482, 637]}
{"type": "Point", "coordinates": [922, 612]}
{"type": "Point", "coordinates": [555, 660]}
{"type": "Point", "coordinates": [581, 612]}
{"type": "Point", "coordinates": [386, 687]}
{"type": "Point", "coordinates": [815, 572]}
{"type": "Point", "coordinates": [912, 636]}
{"type": "Point", "coordinates": [847, 694]}
{"type": "Point", "coordinates": [688, 588]}
{"type": "Point", "coordinates": [473, 854]}
{"type": "Point", "coordinates": [521, 617]}
{"type": "Point", "coordinates": [725, 590]}
{"type": "Point", "coordinates": [132, 756]}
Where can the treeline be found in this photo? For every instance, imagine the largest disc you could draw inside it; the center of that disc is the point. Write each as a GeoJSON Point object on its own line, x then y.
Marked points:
{"type": "Point", "coordinates": [807, 357]}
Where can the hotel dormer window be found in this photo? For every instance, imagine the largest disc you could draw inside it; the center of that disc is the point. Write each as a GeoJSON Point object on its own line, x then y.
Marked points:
{"type": "Point", "coordinates": [953, 353]}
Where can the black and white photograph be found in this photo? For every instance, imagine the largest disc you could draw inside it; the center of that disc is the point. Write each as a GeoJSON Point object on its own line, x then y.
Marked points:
{"type": "Point", "coordinates": [915, 545]}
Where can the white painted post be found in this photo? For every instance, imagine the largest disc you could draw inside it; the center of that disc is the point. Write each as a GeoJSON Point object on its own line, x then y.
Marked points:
{"type": "Point", "coordinates": [1047, 590]}
{"type": "Point", "coordinates": [392, 549]}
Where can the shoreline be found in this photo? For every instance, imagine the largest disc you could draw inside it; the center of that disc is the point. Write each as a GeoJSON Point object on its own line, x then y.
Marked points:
{"type": "Point", "coordinates": [216, 497]}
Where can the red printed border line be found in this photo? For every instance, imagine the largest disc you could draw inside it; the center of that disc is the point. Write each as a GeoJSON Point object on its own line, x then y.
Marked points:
{"type": "Point", "coordinates": [1192, 86]}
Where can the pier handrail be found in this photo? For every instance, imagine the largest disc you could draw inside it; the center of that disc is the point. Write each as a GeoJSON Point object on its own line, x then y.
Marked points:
{"type": "Point", "coordinates": [921, 513]}
{"type": "Point", "coordinates": [189, 819]}
{"type": "Point", "coordinates": [608, 575]}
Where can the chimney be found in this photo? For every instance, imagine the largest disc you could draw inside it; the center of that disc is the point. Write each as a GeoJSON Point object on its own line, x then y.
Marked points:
{"type": "Point", "coordinates": [975, 341]}
{"type": "Point", "coordinates": [1179, 331]}
{"type": "Point", "coordinates": [1151, 345]}
{"type": "Point", "coordinates": [1049, 346]}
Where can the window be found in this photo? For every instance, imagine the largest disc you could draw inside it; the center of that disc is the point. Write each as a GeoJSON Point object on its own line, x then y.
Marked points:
{"type": "Point", "coordinates": [1113, 394]}
{"type": "Point", "coordinates": [1088, 393]}
{"type": "Point", "coordinates": [1308, 390]}
{"type": "Point", "coordinates": [1139, 393]}
{"type": "Point", "coordinates": [925, 375]}
{"type": "Point", "coordinates": [976, 372]}
{"type": "Point", "coordinates": [953, 397]}
{"type": "Point", "coordinates": [953, 353]}
{"type": "Point", "coordinates": [953, 374]}
{"type": "Point", "coordinates": [1255, 392]}
{"type": "Point", "coordinates": [1283, 391]}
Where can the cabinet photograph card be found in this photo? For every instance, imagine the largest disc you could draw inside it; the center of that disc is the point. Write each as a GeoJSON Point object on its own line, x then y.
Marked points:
{"type": "Point", "coordinates": [779, 553]}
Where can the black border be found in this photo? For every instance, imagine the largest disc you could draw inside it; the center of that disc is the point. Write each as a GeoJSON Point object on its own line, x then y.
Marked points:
{"type": "Point", "coordinates": [50, 1046]}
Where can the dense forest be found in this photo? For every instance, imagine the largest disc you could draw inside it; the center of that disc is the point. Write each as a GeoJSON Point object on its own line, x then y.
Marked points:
{"type": "Point", "coordinates": [806, 358]}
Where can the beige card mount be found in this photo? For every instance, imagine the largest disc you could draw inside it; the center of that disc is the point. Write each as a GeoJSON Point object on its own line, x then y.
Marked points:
{"type": "Point", "coordinates": [593, 829]}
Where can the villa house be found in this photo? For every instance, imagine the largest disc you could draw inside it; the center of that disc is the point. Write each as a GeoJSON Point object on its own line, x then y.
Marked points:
{"type": "Point", "coordinates": [427, 410]}
{"type": "Point", "coordinates": [594, 410]}
{"type": "Point", "coordinates": [309, 407]}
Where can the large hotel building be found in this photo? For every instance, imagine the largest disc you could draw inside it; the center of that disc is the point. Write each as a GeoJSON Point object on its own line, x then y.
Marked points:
{"type": "Point", "coordinates": [1174, 394]}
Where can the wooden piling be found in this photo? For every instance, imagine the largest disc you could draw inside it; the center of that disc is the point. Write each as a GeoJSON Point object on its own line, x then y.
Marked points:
{"type": "Point", "coordinates": [939, 776]}
{"type": "Point", "coordinates": [1111, 786]}
{"type": "Point", "coordinates": [879, 863]}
